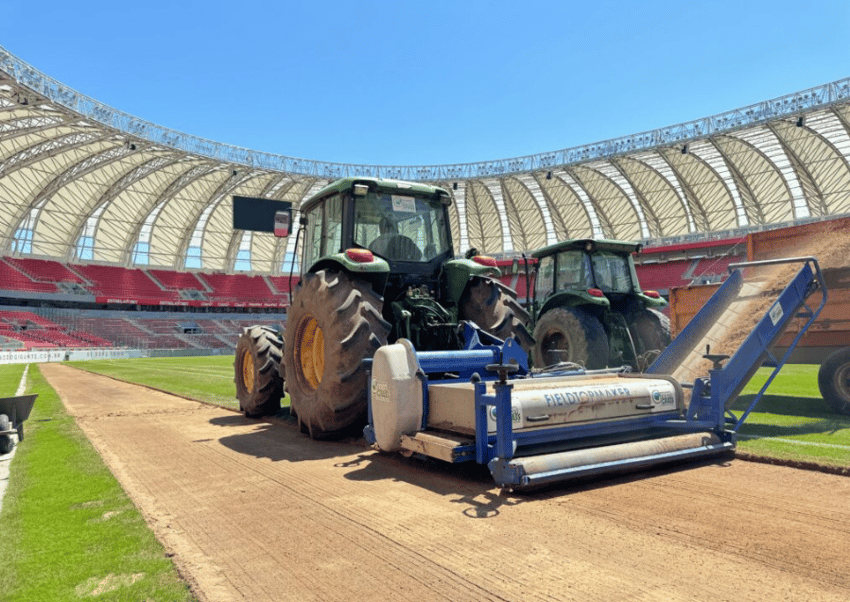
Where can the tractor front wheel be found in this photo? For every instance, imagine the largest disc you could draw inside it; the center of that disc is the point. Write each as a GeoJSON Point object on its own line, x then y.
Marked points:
{"type": "Point", "coordinates": [258, 384]}
{"type": "Point", "coordinates": [494, 308]}
{"type": "Point", "coordinates": [834, 380]}
{"type": "Point", "coordinates": [334, 323]}
{"type": "Point", "coordinates": [570, 334]}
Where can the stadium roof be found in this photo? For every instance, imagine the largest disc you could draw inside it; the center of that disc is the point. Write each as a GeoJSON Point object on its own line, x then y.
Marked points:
{"type": "Point", "coordinates": [81, 181]}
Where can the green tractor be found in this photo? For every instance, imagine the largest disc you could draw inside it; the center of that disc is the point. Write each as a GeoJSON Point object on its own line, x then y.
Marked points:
{"type": "Point", "coordinates": [590, 309]}
{"type": "Point", "coordinates": [377, 266]}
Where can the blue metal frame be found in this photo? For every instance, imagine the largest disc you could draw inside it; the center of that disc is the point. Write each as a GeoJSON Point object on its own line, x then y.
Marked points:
{"type": "Point", "coordinates": [706, 413]}
{"type": "Point", "coordinates": [709, 397]}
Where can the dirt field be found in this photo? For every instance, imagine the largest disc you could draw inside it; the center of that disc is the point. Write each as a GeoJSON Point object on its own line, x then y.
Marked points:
{"type": "Point", "coordinates": [257, 512]}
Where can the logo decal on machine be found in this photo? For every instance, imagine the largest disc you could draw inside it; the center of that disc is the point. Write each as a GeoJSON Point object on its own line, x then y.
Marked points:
{"type": "Point", "coordinates": [663, 400]}
{"type": "Point", "coordinates": [380, 391]}
{"type": "Point", "coordinates": [516, 415]}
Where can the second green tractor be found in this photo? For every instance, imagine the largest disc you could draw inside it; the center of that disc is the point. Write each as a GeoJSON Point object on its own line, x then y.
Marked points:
{"type": "Point", "coordinates": [590, 310]}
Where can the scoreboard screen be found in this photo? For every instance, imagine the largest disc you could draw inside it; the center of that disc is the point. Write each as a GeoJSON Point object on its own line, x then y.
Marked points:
{"type": "Point", "coordinates": [260, 215]}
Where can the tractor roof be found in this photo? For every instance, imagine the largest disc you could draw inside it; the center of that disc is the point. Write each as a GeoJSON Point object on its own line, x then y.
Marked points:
{"type": "Point", "coordinates": [613, 246]}
{"type": "Point", "coordinates": [385, 185]}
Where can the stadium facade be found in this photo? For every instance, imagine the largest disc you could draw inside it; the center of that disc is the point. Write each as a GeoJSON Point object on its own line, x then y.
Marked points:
{"type": "Point", "coordinates": [82, 182]}
{"type": "Point", "coordinates": [116, 237]}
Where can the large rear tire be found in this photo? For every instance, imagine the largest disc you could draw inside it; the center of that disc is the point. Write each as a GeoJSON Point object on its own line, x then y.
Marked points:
{"type": "Point", "coordinates": [651, 330]}
{"type": "Point", "coordinates": [259, 385]}
{"type": "Point", "coordinates": [570, 334]}
{"type": "Point", "coordinates": [494, 308]}
{"type": "Point", "coordinates": [834, 380]}
{"type": "Point", "coordinates": [334, 323]}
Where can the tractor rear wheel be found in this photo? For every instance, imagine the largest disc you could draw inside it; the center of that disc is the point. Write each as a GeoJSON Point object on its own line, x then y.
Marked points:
{"type": "Point", "coordinates": [651, 330]}
{"type": "Point", "coordinates": [494, 308]}
{"type": "Point", "coordinates": [570, 334]}
{"type": "Point", "coordinates": [834, 380]}
{"type": "Point", "coordinates": [334, 323]}
{"type": "Point", "coordinates": [258, 383]}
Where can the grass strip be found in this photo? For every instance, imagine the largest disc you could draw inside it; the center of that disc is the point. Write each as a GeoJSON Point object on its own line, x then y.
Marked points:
{"type": "Point", "coordinates": [204, 378]}
{"type": "Point", "coordinates": [10, 377]}
{"type": "Point", "coordinates": [792, 421]}
{"type": "Point", "coordinates": [69, 530]}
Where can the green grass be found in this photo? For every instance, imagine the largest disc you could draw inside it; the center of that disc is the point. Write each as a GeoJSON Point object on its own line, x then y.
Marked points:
{"type": "Point", "coordinates": [206, 378]}
{"type": "Point", "coordinates": [68, 529]}
{"type": "Point", "coordinates": [792, 421]}
{"type": "Point", "coordinates": [10, 377]}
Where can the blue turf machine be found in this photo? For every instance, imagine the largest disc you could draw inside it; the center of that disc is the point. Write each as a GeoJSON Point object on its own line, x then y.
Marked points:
{"type": "Point", "coordinates": [532, 428]}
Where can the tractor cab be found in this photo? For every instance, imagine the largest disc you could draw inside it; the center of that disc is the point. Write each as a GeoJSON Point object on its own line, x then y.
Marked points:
{"type": "Point", "coordinates": [587, 268]}
{"type": "Point", "coordinates": [396, 235]}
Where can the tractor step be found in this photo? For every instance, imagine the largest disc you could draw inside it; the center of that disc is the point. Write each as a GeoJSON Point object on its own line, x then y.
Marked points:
{"type": "Point", "coordinates": [443, 446]}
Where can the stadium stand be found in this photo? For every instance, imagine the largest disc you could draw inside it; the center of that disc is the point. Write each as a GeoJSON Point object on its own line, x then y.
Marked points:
{"type": "Point", "coordinates": [24, 319]}
{"type": "Point", "coordinates": [282, 284]}
{"type": "Point", "coordinates": [45, 270]}
{"type": "Point", "coordinates": [178, 281]}
{"type": "Point", "coordinates": [11, 278]}
{"type": "Point", "coordinates": [237, 287]}
{"type": "Point", "coordinates": [664, 275]}
{"type": "Point", "coordinates": [36, 331]}
{"type": "Point", "coordinates": [118, 282]}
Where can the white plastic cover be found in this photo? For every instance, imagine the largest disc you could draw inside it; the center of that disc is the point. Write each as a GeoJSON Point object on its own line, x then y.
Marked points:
{"type": "Point", "coordinates": [396, 394]}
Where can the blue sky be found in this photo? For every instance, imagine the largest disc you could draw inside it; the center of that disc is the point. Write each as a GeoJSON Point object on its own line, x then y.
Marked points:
{"type": "Point", "coordinates": [413, 83]}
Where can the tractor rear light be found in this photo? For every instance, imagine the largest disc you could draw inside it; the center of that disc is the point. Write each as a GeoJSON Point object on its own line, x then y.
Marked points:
{"type": "Point", "coordinates": [360, 255]}
{"type": "Point", "coordinates": [485, 260]}
{"type": "Point", "coordinates": [595, 292]}
{"type": "Point", "coordinates": [653, 294]}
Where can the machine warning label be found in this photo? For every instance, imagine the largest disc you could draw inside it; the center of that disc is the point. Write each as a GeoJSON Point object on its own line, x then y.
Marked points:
{"type": "Point", "coordinates": [775, 313]}
{"type": "Point", "coordinates": [380, 391]}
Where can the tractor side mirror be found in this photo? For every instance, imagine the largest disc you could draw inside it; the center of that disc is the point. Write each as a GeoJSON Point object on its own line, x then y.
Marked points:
{"type": "Point", "coordinates": [282, 223]}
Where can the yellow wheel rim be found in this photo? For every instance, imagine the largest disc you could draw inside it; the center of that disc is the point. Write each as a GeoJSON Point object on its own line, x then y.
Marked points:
{"type": "Point", "coordinates": [310, 345]}
{"type": "Point", "coordinates": [248, 371]}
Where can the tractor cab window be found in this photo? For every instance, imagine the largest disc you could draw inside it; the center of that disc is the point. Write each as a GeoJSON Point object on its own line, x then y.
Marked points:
{"type": "Point", "coordinates": [545, 277]}
{"type": "Point", "coordinates": [611, 272]}
{"type": "Point", "coordinates": [398, 227]}
{"type": "Point", "coordinates": [313, 235]}
{"type": "Point", "coordinates": [323, 235]}
{"type": "Point", "coordinates": [573, 272]}
{"type": "Point", "coordinates": [333, 216]}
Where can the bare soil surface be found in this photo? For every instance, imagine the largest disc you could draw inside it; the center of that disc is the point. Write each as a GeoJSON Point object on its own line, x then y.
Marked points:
{"type": "Point", "coordinates": [256, 511]}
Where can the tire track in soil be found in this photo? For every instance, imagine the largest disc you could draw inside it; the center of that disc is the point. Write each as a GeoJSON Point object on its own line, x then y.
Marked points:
{"type": "Point", "coordinates": [825, 532]}
{"type": "Point", "coordinates": [257, 511]}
